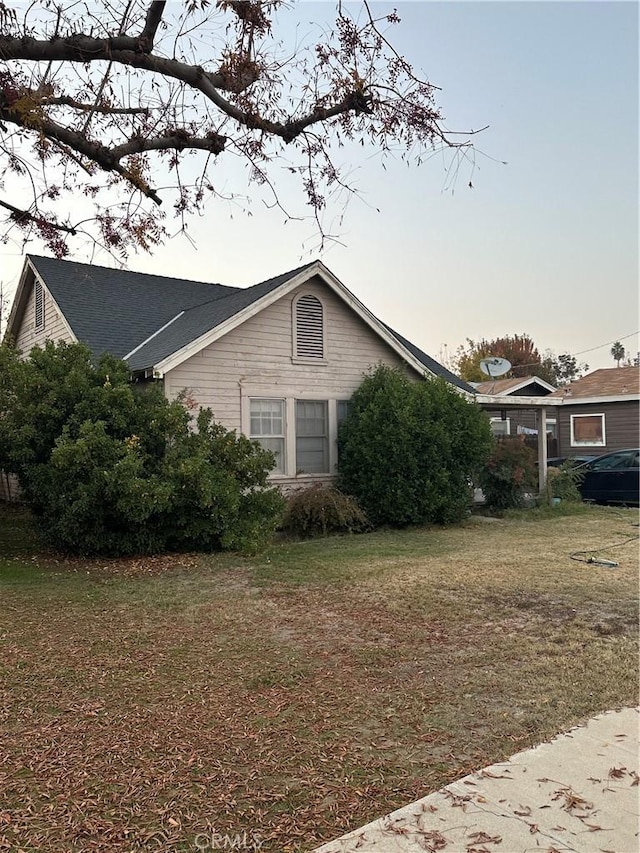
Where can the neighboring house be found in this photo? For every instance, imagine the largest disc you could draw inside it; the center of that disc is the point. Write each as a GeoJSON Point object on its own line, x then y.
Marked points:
{"type": "Point", "coordinates": [277, 361]}
{"type": "Point", "coordinates": [518, 421]}
{"type": "Point", "coordinates": [600, 412]}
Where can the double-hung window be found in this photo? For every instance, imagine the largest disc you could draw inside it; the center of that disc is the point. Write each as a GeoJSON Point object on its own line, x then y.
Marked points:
{"type": "Point", "coordinates": [268, 428]}
{"type": "Point", "coordinates": [312, 436]}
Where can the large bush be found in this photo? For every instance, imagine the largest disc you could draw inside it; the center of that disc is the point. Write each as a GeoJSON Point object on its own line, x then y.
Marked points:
{"type": "Point", "coordinates": [108, 467]}
{"type": "Point", "coordinates": [409, 449]}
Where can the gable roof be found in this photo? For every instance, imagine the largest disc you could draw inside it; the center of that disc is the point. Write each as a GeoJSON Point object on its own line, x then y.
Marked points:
{"type": "Point", "coordinates": [156, 321]}
{"type": "Point", "coordinates": [619, 382]}
{"type": "Point", "coordinates": [510, 386]}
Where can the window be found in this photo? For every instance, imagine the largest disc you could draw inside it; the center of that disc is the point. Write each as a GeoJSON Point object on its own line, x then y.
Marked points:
{"type": "Point", "coordinates": [39, 306]}
{"type": "Point", "coordinates": [500, 427]}
{"type": "Point", "coordinates": [268, 428]}
{"type": "Point", "coordinates": [308, 327]}
{"type": "Point", "coordinates": [312, 436]}
{"type": "Point", "coordinates": [587, 430]}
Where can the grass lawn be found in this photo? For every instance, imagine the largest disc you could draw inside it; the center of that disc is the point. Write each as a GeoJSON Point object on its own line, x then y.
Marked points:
{"type": "Point", "coordinates": [148, 704]}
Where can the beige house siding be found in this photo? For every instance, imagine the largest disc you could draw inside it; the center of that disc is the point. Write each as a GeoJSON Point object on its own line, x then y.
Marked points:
{"type": "Point", "coordinates": [256, 360]}
{"type": "Point", "coordinates": [622, 425]}
{"type": "Point", "coordinates": [54, 328]}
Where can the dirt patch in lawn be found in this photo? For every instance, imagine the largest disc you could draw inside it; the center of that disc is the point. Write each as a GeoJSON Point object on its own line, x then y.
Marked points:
{"type": "Point", "coordinates": [284, 700]}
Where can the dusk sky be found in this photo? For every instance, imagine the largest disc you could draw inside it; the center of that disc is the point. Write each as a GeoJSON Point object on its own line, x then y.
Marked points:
{"type": "Point", "coordinates": [547, 244]}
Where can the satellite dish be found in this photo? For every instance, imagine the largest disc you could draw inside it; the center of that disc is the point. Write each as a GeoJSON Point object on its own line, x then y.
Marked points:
{"type": "Point", "coordinates": [494, 366]}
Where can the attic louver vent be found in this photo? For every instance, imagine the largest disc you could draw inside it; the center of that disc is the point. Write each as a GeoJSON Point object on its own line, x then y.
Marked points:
{"type": "Point", "coordinates": [309, 328]}
{"type": "Point", "coordinates": [39, 305]}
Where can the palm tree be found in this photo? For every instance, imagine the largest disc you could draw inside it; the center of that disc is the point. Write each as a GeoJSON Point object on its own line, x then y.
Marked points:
{"type": "Point", "coordinates": [617, 351]}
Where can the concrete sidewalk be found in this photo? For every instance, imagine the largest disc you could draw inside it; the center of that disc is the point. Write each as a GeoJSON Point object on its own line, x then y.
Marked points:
{"type": "Point", "coordinates": [577, 794]}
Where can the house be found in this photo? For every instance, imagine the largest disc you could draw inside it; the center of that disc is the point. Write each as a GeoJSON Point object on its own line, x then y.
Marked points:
{"type": "Point", "coordinates": [277, 361]}
{"type": "Point", "coordinates": [600, 413]}
{"type": "Point", "coordinates": [519, 421]}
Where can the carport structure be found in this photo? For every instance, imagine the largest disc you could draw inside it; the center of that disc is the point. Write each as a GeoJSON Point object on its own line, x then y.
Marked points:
{"type": "Point", "coordinates": [497, 405]}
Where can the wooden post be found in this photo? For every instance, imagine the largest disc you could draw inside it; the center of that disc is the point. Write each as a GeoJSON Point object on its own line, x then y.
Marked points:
{"type": "Point", "coordinates": [542, 449]}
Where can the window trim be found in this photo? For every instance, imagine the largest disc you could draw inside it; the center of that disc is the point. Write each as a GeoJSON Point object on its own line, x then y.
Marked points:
{"type": "Point", "coordinates": [305, 359]}
{"type": "Point", "coordinates": [273, 391]}
{"type": "Point", "coordinates": [576, 443]}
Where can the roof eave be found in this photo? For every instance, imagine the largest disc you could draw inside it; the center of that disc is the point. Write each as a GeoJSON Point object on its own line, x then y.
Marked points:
{"type": "Point", "coordinates": [597, 400]}
{"type": "Point", "coordinates": [506, 401]}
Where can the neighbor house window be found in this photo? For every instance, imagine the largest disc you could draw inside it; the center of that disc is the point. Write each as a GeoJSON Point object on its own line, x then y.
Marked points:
{"type": "Point", "coordinates": [308, 330]}
{"type": "Point", "coordinates": [587, 430]}
{"type": "Point", "coordinates": [39, 306]}
{"type": "Point", "coordinates": [500, 427]}
{"type": "Point", "coordinates": [268, 428]}
{"type": "Point", "coordinates": [312, 436]}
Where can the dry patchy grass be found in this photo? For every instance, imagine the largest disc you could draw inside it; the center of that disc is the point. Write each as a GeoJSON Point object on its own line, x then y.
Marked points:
{"type": "Point", "coordinates": [300, 694]}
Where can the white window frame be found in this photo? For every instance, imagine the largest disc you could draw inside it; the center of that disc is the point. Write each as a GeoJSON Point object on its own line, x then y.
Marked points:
{"type": "Point", "coordinates": [259, 437]}
{"type": "Point", "coordinates": [575, 443]}
{"type": "Point", "coordinates": [252, 391]}
{"type": "Point", "coordinates": [305, 359]}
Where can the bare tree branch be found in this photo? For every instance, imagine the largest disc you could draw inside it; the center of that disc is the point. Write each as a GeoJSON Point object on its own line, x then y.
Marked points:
{"type": "Point", "coordinates": [133, 86]}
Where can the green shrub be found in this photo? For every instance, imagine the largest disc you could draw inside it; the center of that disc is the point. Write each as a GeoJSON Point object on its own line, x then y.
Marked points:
{"type": "Point", "coordinates": [109, 468]}
{"type": "Point", "coordinates": [509, 474]}
{"type": "Point", "coordinates": [409, 449]}
{"type": "Point", "coordinates": [563, 482]}
{"type": "Point", "coordinates": [320, 510]}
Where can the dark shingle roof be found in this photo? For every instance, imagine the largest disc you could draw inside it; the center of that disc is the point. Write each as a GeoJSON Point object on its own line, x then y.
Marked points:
{"type": "Point", "coordinates": [115, 310]}
{"type": "Point", "coordinates": [152, 316]}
